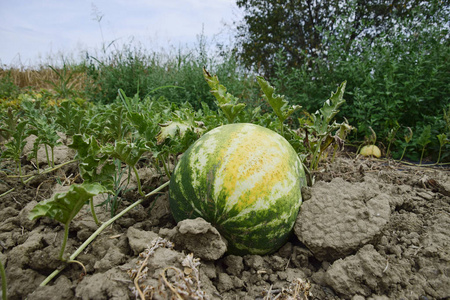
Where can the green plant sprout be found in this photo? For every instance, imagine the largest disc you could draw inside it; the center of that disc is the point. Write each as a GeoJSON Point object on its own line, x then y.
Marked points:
{"type": "Point", "coordinates": [227, 102]}
{"type": "Point", "coordinates": [424, 139]}
{"type": "Point", "coordinates": [340, 136]}
{"type": "Point", "coordinates": [70, 117]}
{"type": "Point", "coordinates": [113, 199]}
{"type": "Point", "coordinates": [34, 154]}
{"type": "Point", "coordinates": [408, 138]}
{"type": "Point", "coordinates": [43, 127]}
{"type": "Point", "coordinates": [279, 105]}
{"type": "Point", "coordinates": [94, 165]}
{"type": "Point", "coordinates": [8, 123]}
{"type": "Point", "coordinates": [319, 126]}
{"type": "Point", "coordinates": [442, 141]}
{"type": "Point", "coordinates": [181, 132]}
{"type": "Point", "coordinates": [14, 147]}
{"type": "Point", "coordinates": [46, 135]}
{"type": "Point", "coordinates": [63, 207]}
{"type": "Point", "coordinates": [129, 153]}
{"type": "Point", "coordinates": [391, 137]}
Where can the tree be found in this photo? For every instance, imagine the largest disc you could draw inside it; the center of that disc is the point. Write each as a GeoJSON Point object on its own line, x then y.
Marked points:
{"type": "Point", "coordinates": [304, 28]}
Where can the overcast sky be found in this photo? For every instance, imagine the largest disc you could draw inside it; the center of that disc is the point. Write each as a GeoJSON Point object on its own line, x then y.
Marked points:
{"type": "Point", "coordinates": [33, 30]}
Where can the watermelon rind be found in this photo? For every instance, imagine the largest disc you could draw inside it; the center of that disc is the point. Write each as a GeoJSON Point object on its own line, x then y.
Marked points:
{"type": "Point", "coordinates": [246, 181]}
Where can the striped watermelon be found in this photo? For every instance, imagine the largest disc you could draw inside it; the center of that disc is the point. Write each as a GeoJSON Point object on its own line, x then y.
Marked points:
{"type": "Point", "coordinates": [246, 181]}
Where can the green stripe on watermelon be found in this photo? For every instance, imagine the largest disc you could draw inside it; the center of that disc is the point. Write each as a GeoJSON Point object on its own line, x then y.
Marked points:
{"type": "Point", "coordinates": [246, 181]}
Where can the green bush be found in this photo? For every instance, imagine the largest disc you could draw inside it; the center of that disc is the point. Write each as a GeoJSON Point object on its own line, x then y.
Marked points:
{"type": "Point", "coordinates": [396, 81]}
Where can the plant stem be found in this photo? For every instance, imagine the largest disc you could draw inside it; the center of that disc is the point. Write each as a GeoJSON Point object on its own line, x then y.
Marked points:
{"type": "Point", "coordinates": [53, 156]}
{"type": "Point", "coordinates": [404, 150]}
{"type": "Point", "coordinates": [439, 156]}
{"type": "Point", "coordinates": [388, 149]}
{"type": "Point", "coordinates": [94, 215]}
{"type": "Point", "coordinates": [48, 158]}
{"type": "Point", "coordinates": [98, 231]}
{"type": "Point", "coordinates": [63, 246]}
{"type": "Point", "coordinates": [421, 156]}
{"type": "Point", "coordinates": [166, 169]}
{"type": "Point", "coordinates": [37, 163]}
{"type": "Point", "coordinates": [138, 180]}
{"type": "Point", "coordinates": [19, 166]}
{"type": "Point", "coordinates": [4, 286]}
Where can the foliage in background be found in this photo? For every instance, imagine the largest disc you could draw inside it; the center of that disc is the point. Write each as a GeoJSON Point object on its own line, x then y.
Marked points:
{"type": "Point", "coordinates": [305, 29]}
{"type": "Point", "coordinates": [140, 72]}
{"type": "Point", "coordinates": [399, 80]}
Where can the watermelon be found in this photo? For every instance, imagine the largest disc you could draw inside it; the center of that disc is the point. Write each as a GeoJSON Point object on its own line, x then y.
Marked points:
{"type": "Point", "coordinates": [246, 181]}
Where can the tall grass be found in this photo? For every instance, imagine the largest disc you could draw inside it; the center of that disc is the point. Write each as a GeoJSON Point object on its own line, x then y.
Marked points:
{"type": "Point", "coordinates": [176, 74]}
{"type": "Point", "coordinates": [173, 73]}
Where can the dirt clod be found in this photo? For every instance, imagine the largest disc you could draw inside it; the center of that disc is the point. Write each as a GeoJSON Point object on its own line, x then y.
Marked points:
{"type": "Point", "coordinates": [198, 237]}
{"type": "Point", "coordinates": [341, 217]}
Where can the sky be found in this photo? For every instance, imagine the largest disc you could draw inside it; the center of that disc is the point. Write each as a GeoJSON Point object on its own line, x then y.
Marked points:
{"type": "Point", "coordinates": [33, 31]}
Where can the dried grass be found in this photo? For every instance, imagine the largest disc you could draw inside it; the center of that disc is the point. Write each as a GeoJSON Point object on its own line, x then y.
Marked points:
{"type": "Point", "coordinates": [42, 78]}
{"type": "Point", "coordinates": [181, 284]}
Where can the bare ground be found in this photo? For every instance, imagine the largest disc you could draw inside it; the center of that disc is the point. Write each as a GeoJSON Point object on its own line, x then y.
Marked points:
{"type": "Point", "coordinates": [368, 229]}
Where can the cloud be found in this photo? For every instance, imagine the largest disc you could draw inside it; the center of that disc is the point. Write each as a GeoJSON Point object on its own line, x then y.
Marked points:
{"type": "Point", "coordinates": [35, 27]}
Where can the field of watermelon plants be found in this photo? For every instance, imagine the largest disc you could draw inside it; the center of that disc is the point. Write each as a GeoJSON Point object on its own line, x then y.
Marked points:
{"type": "Point", "coordinates": [85, 208]}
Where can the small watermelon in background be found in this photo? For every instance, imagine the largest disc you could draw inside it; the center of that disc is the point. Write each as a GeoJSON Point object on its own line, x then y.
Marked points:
{"type": "Point", "coordinates": [246, 181]}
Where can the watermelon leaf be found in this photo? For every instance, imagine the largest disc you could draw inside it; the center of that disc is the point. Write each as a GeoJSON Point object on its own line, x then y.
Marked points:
{"type": "Point", "coordinates": [279, 105]}
{"type": "Point", "coordinates": [94, 165]}
{"type": "Point", "coordinates": [182, 122]}
{"type": "Point", "coordinates": [63, 207]}
{"type": "Point", "coordinates": [129, 153]}
{"type": "Point", "coordinates": [330, 107]}
{"type": "Point", "coordinates": [226, 101]}
{"type": "Point", "coordinates": [319, 127]}
{"type": "Point", "coordinates": [15, 146]}
{"type": "Point", "coordinates": [171, 129]}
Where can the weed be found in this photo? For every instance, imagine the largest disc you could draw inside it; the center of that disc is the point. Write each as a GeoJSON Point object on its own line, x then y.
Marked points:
{"type": "Point", "coordinates": [424, 139]}
{"type": "Point", "coordinates": [408, 136]}
{"type": "Point", "coordinates": [113, 199]}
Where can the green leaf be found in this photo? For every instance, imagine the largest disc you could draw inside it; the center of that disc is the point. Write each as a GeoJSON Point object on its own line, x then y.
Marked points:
{"type": "Point", "coordinates": [70, 117]}
{"type": "Point", "coordinates": [63, 207]}
{"type": "Point", "coordinates": [279, 105]}
{"type": "Point", "coordinates": [183, 122]}
{"type": "Point", "coordinates": [226, 101]}
{"type": "Point", "coordinates": [172, 129]}
{"type": "Point", "coordinates": [425, 137]}
{"type": "Point", "coordinates": [442, 139]}
{"type": "Point", "coordinates": [15, 146]}
{"type": "Point", "coordinates": [330, 107]}
{"type": "Point", "coordinates": [84, 147]}
{"type": "Point", "coordinates": [94, 166]}
{"type": "Point", "coordinates": [129, 153]}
